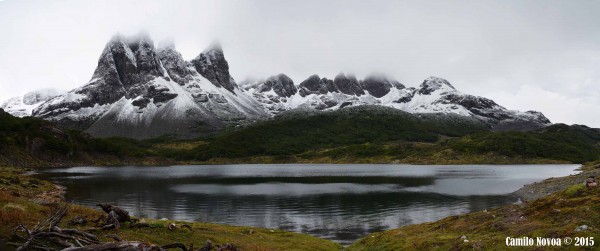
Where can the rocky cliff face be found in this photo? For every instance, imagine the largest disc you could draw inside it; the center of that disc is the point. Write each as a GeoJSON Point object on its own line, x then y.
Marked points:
{"type": "Point", "coordinates": [141, 91]}
{"type": "Point", "coordinates": [212, 65]}
{"type": "Point", "coordinates": [378, 86]}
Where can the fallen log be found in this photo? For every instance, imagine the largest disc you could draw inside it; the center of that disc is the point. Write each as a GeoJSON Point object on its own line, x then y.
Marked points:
{"type": "Point", "coordinates": [46, 235]}
{"type": "Point", "coordinates": [116, 216]}
{"type": "Point", "coordinates": [178, 245]}
{"type": "Point", "coordinates": [78, 220]}
{"type": "Point", "coordinates": [116, 246]}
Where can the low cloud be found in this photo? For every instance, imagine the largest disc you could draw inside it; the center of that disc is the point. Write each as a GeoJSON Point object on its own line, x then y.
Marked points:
{"type": "Point", "coordinates": [523, 54]}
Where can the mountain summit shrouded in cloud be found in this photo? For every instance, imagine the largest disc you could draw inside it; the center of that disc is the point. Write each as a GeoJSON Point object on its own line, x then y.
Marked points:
{"type": "Point", "coordinates": [540, 55]}
{"type": "Point", "coordinates": [141, 91]}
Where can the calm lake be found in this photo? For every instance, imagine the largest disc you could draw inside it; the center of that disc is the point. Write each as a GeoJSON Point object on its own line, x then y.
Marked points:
{"type": "Point", "coordinates": [337, 202]}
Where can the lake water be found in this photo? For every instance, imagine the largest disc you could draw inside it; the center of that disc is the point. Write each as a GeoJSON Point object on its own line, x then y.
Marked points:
{"type": "Point", "coordinates": [337, 202]}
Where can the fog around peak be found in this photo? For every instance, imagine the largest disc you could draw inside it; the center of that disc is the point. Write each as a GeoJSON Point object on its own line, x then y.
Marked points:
{"type": "Point", "coordinates": [526, 55]}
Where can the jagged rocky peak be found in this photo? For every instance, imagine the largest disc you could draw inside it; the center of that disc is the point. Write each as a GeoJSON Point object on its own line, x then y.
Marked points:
{"type": "Point", "coordinates": [330, 85]}
{"type": "Point", "coordinates": [139, 90]}
{"type": "Point", "coordinates": [177, 68]}
{"type": "Point", "coordinates": [314, 85]}
{"type": "Point", "coordinates": [143, 54]}
{"type": "Point", "coordinates": [378, 85]}
{"type": "Point", "coordinates": [281, 84]}
{"type": "Point", "coordinates": [125, 64]}
{"type": "Point", "coordinates": [348, 84]}
{"type": "Point", "coordinates": [432, 84]}
{"type": "Point", "coordinates": [212, 65]}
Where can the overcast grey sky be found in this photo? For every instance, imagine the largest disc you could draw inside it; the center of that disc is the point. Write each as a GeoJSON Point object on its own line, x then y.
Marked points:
{"type": "Point", "coordinates": [540, 55]}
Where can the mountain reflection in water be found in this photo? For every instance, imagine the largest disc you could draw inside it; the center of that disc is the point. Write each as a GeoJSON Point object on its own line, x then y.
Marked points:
{"type": "Point", "coordinates": [337, 202]}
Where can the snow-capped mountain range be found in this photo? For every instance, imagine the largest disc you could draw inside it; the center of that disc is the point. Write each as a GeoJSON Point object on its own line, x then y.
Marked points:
{"type": "Point", "coordinates": [142, 91]}
{"type": "Point", "coordinates": [23, 106]}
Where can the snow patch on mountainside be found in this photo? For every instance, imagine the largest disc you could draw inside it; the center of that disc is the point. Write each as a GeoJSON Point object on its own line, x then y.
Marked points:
{"type": "Point", "coordinates": [434, 95]}
{"type": "Point", "coordinates": [141, 91]}
{"type": "Point", "coordinates": [24, 105]}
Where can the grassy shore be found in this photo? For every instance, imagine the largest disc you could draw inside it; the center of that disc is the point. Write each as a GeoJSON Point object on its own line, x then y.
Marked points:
{"type": "Point", "coordinates": [26, 200]}
{"type": "Point", "coordinates": [557, 215]}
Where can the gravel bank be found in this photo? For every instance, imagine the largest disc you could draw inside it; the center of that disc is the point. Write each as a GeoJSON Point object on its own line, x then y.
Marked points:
{"type": "Point", "coordinates": [552, 185]}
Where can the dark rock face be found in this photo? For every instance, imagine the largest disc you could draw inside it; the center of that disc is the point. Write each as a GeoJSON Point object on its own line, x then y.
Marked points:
{"type": "Point", "coordinates": [378, 86]}
{"type": "Point", "coordinates": [124, 68]}
{"type": "Point", "coordinates": [313, 85]}
{"type": "Point", "coordinates": [330, 85]}
{"type": "Point", "coordinates": [141, 102]}
{"type": "Point", "coordinates": [142, 92]}
{"type": "Point", "coordinates": [174, 64]}
{"type": "Point", "coordinates": [432, 84]}
{"type": "Point", "coordinates": [397, 85]}
{"type": "Point", "coordinates": [160, 95]}
{"type": "Point", "coordinates": [407, 97]}
{"type": "Point", "coordinates": [348, 84]}
{"type": "Point", "coordinates": [328, 102]}
{"type": "Point", "coordinates": [131, 71]}
{"type": "Point", "coordinates": [477, 105]}
{"type": "Point", "coordinates": [200, 97]}
{"type": "Point", "coordinates": [212, 65]}
{"type": "Point", "coordinates": [345, 104]}
{"type": "Point", "coordinates": [281, 84]}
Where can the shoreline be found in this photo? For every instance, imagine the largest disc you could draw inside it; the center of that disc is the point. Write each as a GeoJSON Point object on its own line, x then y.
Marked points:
{"type": "Point", "coordinates": [553, 185]}
{"type": "Point", "coordinates": [557, 208]}
{"type": "Point", "coordinates": [528, 192]}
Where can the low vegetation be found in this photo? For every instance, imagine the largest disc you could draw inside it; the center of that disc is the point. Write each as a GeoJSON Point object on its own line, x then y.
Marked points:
{"type": "Point", "coordinates": [353, 135]}
{"type": "Point", "coordinates": [576, 144]}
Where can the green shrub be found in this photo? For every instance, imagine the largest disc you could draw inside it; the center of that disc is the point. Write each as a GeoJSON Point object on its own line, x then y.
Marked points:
{"type": "Point", "coordinates": [575, 190]}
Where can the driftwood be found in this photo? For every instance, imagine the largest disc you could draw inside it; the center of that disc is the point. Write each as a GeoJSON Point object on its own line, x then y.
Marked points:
{"type": "Point", "coordinates": [114, 237]}
{"type": "Point", "coordinates": [46, 235]}
{"type": "Point", "coordinates": [78, 220]}
{"type": "Point", "coordinates": [227, 247]}
{"type": "Point", "coordinates": [101, 218]}
{"type": "Point", "coordinates": [117, 246]}
{"type": "Point", "coordinates": [173, 226]}
{"type": "Point", "coordinates": [116, 215]}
